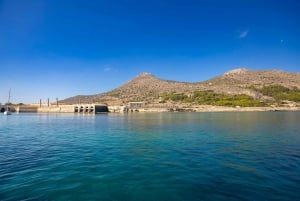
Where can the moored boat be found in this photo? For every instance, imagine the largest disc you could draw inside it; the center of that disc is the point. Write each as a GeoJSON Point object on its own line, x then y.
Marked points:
{"type": "Point", "coordinates": [7, 111]}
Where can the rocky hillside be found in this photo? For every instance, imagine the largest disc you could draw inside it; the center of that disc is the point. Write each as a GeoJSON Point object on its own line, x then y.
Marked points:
{"type": "Point", "coordinates": [150, 89]}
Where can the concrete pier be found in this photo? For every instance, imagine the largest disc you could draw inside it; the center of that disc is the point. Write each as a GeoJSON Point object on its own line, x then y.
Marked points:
{"type": "Point", "coordinates": [79, 108]}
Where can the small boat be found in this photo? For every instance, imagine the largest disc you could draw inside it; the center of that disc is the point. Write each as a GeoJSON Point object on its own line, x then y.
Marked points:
{"type": "Point", "coordinates": [7, 112]}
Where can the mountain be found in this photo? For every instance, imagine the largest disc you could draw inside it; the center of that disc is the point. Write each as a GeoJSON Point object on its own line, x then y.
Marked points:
{"type": "Point", "coordinates": [150, 89]}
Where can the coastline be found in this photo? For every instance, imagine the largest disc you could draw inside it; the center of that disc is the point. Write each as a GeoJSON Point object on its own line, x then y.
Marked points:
{"type": "Point", "coordinates": [245, 109]}
{"type": "Point", "coordinates": [211, 108]}
{"type": "Point", "coordinates": [152, 108]}
{"type": "Point", "coordinates": [248, 109]}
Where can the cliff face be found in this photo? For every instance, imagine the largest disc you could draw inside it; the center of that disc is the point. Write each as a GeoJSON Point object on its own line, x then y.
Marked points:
{"type": "Point", "coordinates": [148, 88]}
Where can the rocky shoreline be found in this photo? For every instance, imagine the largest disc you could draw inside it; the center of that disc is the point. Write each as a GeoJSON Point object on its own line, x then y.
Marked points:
{"type": "Point", "coordinates": [211, 108]}
{"type": "Point", "coordinates": [242, 109]}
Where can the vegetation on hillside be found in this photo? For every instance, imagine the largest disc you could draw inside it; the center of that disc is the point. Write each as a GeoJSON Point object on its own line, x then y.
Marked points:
{"type": "Point", "coordinates": [212, 98]}
{"type": "Point", "coordinates": [279, 93]}
{"type": "Point", "coordinates": [148, 88]}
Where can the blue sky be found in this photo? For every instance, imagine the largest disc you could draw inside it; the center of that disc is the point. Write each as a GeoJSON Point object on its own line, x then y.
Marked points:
{"type": "Point", "coordinates": [63, 48]}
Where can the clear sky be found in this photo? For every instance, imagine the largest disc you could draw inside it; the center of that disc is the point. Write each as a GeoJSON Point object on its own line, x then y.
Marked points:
{"type": "Point", "coordinates": [63, 48]}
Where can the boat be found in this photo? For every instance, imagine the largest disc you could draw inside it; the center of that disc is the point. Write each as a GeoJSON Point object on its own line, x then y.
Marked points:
{"type": "Point", "coordinates": [7, 112]}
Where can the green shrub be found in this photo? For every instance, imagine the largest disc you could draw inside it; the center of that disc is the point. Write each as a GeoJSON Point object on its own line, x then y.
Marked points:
{"type": "Point", "coordinates": [212, 98]}
{"type": "Point", "coordinates": [175, 97]}
{"type": "Point", "coordinates": [279, 93]}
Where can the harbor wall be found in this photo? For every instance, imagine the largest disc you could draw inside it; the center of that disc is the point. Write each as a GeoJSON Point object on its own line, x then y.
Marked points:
{"type": "Point", "coordinates": [80, 108]}
{"type": "Point", "coordinates": [10, 108]}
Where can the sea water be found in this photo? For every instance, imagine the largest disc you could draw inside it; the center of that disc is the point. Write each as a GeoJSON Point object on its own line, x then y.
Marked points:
{"type": "Point", "coordinates": [150, 156]}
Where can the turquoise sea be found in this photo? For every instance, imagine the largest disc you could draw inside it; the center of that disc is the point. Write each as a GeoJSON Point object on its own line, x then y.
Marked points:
{"type": "Point", "coordinates": [153, 156]}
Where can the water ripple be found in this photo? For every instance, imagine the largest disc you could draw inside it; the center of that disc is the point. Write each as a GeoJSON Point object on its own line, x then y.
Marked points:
{"type": "Point", "coordinates": [180, 156]}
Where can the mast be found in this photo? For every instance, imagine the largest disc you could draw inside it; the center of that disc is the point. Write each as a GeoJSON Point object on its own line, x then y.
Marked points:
{"type": "Point", "coordinates": [8, 99]}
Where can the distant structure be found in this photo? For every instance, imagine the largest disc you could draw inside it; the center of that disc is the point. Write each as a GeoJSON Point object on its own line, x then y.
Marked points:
{"type": "Point", "coordinates": [55, 108]}
{"type": "Point", "coordinates": [136, 105]}
{"type": "Point", "coordinates": [90, 108]}
{"type": "Point", "coordinates": [3, 108]}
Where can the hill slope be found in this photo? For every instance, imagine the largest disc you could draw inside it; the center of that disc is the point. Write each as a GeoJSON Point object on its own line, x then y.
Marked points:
{"type": "Point", "coordinates": [150, 89]}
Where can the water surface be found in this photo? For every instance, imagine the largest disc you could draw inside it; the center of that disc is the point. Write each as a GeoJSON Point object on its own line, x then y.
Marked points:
{"type": "Point", "coordinates": [154, 156]}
